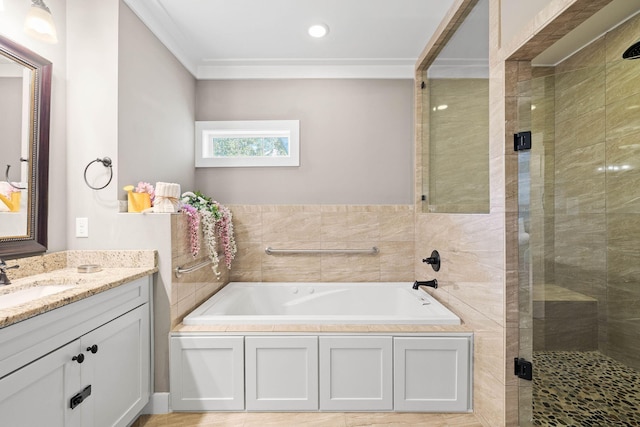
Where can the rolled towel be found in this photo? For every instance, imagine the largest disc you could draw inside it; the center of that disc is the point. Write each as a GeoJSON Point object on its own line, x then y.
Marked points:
{"type": "Point", "coordinates": [167, 197]}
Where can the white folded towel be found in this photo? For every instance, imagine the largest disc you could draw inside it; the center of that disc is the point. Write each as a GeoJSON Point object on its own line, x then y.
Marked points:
{"type": "Point", "coordinates": [167, 197]}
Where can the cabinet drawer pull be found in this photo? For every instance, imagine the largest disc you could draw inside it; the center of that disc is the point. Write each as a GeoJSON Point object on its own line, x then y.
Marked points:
{"type": "Point", "coordinates": [93, 349]}
{"type": "Point", "coordinates": [79, 358]}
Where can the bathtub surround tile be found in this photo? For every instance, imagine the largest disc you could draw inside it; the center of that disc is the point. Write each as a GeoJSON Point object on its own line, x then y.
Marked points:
{"type": "Point", "coordinates": [247, 223]}
{"type": "Point", "coordinates": [334, 226]}
{"type": "Point", "coordinates": [293, 226]}
{"type": "Point", "coordinates": [190, 289]}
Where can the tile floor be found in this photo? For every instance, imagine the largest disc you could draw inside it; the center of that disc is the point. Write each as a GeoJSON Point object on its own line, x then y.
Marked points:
{"type": "Point", "coordinates": [306, 419]}
{"type": "Point", "coordinates": [584, 389]}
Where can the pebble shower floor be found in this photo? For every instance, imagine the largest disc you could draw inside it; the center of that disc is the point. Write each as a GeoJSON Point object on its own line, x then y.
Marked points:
{"type": "Point", "coordinates": [574, 388]}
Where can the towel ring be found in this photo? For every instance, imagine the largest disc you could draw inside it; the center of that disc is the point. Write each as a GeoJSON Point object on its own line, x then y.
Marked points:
{"type": "Point", "coordinates": [107, 163]}
{"type": "Point", "coordinates": [6, 175]}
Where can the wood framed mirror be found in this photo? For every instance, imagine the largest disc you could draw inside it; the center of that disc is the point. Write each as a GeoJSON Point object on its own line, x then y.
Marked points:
{"type": "Point", "coordinates": [25, 98]}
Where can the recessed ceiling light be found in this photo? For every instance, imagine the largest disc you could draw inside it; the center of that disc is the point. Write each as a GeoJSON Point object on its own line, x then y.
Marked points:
{"type": "Point", "coordinates": [318, 30]}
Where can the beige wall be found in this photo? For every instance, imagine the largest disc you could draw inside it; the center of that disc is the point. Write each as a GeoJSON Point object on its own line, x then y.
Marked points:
{"type": "Point", "coordinates": [356, 140]}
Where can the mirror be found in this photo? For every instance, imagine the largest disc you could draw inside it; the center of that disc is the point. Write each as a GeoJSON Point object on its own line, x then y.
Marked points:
{"type": "Point", "coordinates": [25, 96]}
{"type": "Point", "coordinates": [455, 117]}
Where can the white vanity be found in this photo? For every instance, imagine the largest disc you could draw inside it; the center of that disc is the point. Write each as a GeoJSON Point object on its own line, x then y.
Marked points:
{"type": "Point", "coordinates": [84, 361]}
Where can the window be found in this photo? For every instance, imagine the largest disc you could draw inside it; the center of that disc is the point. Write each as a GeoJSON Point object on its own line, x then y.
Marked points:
{"type": "Point", "coordinates": [247, 143]}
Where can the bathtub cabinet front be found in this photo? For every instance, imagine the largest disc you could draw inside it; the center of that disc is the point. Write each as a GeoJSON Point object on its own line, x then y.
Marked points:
{"type": "Point", "coordinates": [282, 373]}
{"type": "Point", "coordinates": [207, 373]}
{"type": "Point", "coordinates": [356, 373]}
{"type": "Point", "coordinates": [432, 374]}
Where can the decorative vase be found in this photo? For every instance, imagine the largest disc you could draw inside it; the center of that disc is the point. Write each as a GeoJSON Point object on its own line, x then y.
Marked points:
{"type": "Point", "coordinates": [137, 202]}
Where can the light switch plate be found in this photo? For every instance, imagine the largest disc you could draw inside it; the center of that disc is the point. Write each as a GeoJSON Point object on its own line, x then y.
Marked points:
{"type": "Point", "coordinates": [82, 227]}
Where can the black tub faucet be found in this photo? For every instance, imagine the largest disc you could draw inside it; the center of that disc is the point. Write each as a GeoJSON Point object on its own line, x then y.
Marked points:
{"type": "Point", "coordinates": [432, 283]}
{"type": "Point", "coordinates": [4, 280]}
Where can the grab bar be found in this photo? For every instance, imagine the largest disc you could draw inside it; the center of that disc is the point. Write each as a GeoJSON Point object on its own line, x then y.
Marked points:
{"type": "Point", "coordinates": [180, 270]}
{"type": "Point", "coordinates": [270, 251]}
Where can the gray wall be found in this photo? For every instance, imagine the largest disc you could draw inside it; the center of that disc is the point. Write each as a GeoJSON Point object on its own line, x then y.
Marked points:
{"type": "Point", "coordinates": [356, 140]}
{"type": "Point", "coordinates": [156, 102]}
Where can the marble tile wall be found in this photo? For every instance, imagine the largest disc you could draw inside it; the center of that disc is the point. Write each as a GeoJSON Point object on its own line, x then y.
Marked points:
{"type": "Point", "coordinates": [622, 154]}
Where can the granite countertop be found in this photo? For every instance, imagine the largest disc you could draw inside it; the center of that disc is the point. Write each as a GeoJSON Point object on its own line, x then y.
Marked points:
{"type": "Point", "coordinates": [83, 284]}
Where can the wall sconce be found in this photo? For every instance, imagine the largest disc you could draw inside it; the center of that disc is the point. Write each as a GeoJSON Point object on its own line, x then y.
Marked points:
{"type": "Point", "coordinates": [39, 23]}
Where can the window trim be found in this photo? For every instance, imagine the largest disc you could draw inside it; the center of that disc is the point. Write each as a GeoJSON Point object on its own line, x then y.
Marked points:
{"type": "Point", "coordinates": [205, 128]}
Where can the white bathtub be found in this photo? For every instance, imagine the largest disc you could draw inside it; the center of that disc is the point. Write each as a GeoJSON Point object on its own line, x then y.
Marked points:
{"type": "Point", "coordinates": [313, 303]}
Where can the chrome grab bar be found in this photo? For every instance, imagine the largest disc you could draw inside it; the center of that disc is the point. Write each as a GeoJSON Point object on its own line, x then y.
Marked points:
{"type": "Point", "coordinates": [270, 251]}
{"type": "Point", "coordinates": [181, 270]}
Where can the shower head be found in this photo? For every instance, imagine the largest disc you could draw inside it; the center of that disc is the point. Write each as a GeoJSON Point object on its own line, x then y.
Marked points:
{"type": "Point", "coordinates": [632, 52]}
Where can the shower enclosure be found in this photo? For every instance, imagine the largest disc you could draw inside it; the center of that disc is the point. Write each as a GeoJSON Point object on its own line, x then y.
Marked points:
{"type": "Point", "coordinates": [579, 236]}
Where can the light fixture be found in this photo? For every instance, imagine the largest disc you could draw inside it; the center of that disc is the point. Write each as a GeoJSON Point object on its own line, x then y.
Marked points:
{"type": "Point", "coordinates": [318, 30]}
{"type": "Point", "coordinates": [39, 23]}
{"type": "Point", "coordinates": [1, 6]}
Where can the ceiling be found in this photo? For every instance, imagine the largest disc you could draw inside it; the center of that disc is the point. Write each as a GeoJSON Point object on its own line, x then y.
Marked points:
{"type": "Point", "coordinates": [268, 38]}
{"type": "Point", "coordinates": [236, 39]}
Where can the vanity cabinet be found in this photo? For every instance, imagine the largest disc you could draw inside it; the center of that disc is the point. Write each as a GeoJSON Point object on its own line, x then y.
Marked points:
{"type": "Point", "coordinates": [97, 375]}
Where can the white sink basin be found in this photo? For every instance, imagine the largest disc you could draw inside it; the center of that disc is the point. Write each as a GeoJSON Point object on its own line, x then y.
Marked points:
{"type": "Point", "coordinates": [22, 296]}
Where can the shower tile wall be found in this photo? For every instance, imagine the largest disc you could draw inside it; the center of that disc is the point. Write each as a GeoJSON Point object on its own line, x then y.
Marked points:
{"type": "Point", "coordinates": [591, 166]}
{"type": "Point", "coordinates": [623, 195]}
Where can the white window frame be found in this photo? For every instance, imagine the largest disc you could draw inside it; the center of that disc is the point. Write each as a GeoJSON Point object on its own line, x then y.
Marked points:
{"type": "Point", "coordinates": [205, 129]}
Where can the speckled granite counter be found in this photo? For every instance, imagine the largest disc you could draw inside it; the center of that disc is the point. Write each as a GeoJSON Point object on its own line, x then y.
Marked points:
{"type": "Point", "coordinates": [118, 267]}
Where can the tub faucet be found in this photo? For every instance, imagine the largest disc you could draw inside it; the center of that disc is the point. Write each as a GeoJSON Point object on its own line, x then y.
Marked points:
{"type": "Point", "coordinates": [432, 283]}
{"type": "Point", "coordinates": [4, 280]}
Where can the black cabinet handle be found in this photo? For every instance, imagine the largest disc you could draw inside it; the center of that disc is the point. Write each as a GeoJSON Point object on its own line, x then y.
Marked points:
{"type": "Point", "coordinates": [79, 358]}
{"type": "Point", "coordinates": [93, 349]}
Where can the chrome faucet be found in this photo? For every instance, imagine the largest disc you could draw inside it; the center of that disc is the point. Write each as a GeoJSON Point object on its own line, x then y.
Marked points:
{"type": "Point", "coordinates": [4, 280]}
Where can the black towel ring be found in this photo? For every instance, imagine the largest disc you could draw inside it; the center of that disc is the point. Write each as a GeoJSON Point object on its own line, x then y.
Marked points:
{"type": "Point", "coordinates": [107, 163]}
{"type": "Point", "coordinates": [6, 175]}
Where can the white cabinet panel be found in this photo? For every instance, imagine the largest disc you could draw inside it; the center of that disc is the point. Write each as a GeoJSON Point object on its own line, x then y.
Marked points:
{"type": "Point", "coordinates": [117, 366]}
{"type": "Point", "coordinates": [39, 394]}
{"type": "Point", "coordinates": [432, 374]}
{"type": "Point", "coordinates": [282, 373]}
{"type": "Point", "coordinates": [356, 373]}
{"type": "Point", "coordinates": [207, 373]}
